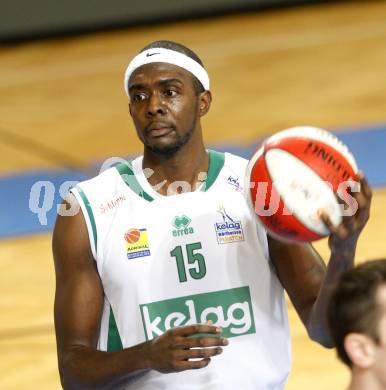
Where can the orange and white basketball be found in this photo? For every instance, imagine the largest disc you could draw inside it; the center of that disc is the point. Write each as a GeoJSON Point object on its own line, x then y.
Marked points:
{"type": "Point", "coordinates": [294, 175]}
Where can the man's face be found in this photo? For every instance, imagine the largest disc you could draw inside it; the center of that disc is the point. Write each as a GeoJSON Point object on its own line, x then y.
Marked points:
{"type": "Point", "coordinates": [164, 106]}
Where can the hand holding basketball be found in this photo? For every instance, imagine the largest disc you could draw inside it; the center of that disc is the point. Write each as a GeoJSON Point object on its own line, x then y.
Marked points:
{"type": "Point", "coordinates": [346, 234]}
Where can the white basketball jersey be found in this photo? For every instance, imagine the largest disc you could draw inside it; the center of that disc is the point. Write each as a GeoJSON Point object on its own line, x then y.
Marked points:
{"type": "Point", "coordinates": [168, 261]}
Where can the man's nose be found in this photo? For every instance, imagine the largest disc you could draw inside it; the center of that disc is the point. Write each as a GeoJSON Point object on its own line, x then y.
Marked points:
{"type": "Point", "coordinates": [155, 105]}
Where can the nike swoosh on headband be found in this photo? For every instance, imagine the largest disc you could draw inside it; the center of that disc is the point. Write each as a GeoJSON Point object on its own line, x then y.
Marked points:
{"type": "Point", "coordinates": [170, 57]}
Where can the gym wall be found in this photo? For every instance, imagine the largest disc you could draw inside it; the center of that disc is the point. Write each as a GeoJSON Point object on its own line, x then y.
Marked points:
{"type": "Point", "coordinates": [26, 19]}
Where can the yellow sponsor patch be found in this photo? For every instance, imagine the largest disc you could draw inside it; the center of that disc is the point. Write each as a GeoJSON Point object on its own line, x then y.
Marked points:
{"type": "Point", "coordinates": [137, 243]}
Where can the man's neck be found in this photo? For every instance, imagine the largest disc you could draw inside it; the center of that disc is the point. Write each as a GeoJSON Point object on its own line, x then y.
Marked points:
{"type": "Point", "coordinates": [364, 380]}
{"type": "Point", "coordinates": [184, 167]}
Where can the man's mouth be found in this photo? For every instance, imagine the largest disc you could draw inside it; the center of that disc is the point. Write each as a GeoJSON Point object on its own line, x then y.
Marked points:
{"type": "Point", "coordinates": [159, 129]}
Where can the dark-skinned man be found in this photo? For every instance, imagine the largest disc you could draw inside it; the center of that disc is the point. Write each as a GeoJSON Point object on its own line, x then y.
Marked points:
{"type": "Point", "coordinates": [164, 279]}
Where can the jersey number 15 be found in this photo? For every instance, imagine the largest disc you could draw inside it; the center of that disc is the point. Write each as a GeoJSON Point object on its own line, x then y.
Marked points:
{"type": "Point", "coordinates": [195, 262]}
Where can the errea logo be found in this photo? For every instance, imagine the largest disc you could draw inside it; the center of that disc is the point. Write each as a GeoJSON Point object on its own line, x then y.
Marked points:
{"type": "Point", "coordinates": [230, 309]}
{"type": "Point", "coordinates": [181, 225]}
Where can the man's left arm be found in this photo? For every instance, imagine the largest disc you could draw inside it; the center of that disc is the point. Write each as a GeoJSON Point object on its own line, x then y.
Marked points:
{"type": "Point", "coordinates": [304, 274]}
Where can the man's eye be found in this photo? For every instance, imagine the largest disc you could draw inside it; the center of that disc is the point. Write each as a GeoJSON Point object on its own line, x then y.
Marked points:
{"type": "Point", "coordinates": [170, 93]}
{"type": "Point", "coordinates": [139, 97]}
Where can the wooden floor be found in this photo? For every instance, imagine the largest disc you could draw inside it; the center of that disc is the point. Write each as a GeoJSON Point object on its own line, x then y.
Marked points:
{"type": "Point", "coordinates": [321, 65]}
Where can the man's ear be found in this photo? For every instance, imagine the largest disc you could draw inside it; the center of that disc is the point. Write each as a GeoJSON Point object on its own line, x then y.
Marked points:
{"type": "Point", "coordinates": [204, 101]}
{"type": "Point", "coordinates": [360, 349]}
{"type": "Point", "coordinates": [130, 110]}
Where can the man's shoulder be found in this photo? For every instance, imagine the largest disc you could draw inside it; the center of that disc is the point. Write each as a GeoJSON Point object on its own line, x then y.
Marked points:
{"type": "Point", "coordinates": [100, 179]}
{"type": "Point", "coordinates": [235, 162]}
{"type": "Point", "coordinates": [106, 184]}
{"type": "Point", "coordinates": [233, 169]}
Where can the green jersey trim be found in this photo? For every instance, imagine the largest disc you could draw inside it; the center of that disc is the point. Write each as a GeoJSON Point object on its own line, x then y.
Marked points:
{"type": "Point", "coordinates": [128, 176]}
{"type": "Point", "coordinates": [114, 342]}
{"type": "Point", "coordinates": [216, 163]}
{"type": "Point", "coordinates": [90, 214]}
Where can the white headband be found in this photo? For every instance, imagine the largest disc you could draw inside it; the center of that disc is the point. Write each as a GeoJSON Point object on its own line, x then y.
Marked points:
{"type": "Point", "coordinates": [170, 57]}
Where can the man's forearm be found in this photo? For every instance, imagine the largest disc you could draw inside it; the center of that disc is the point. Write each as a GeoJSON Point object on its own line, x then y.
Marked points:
{"type": "Point", "coordinates": [340, 261]}
{"type": "Point", "coordinates": [83, 367]}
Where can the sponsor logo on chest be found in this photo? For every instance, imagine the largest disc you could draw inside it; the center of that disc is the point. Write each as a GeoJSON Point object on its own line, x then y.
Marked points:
{"type": "Point", "coordinates": [181, 226]}
{"type": "Point", "coordinates": [229, 229]}
{"type": "Point", "coordinates": [230, 309]}
{"type": "Point", "coordinates": [234, 181]}
{"type": "Point", "coordinates": [137, 243]}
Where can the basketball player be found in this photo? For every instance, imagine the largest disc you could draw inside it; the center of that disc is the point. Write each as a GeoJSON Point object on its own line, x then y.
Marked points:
{"type": "Point", "coordinates": [164, 280]}
{"type": "Point", "coordinates": [357, 319]}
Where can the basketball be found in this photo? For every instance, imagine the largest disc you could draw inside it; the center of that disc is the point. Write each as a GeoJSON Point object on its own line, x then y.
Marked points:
{"type": "Point", "coordinates": [293, 176]}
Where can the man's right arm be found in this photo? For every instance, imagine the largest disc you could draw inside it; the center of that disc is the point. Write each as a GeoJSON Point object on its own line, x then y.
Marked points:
{"type": "Point", "coordinates": [78, 311]}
